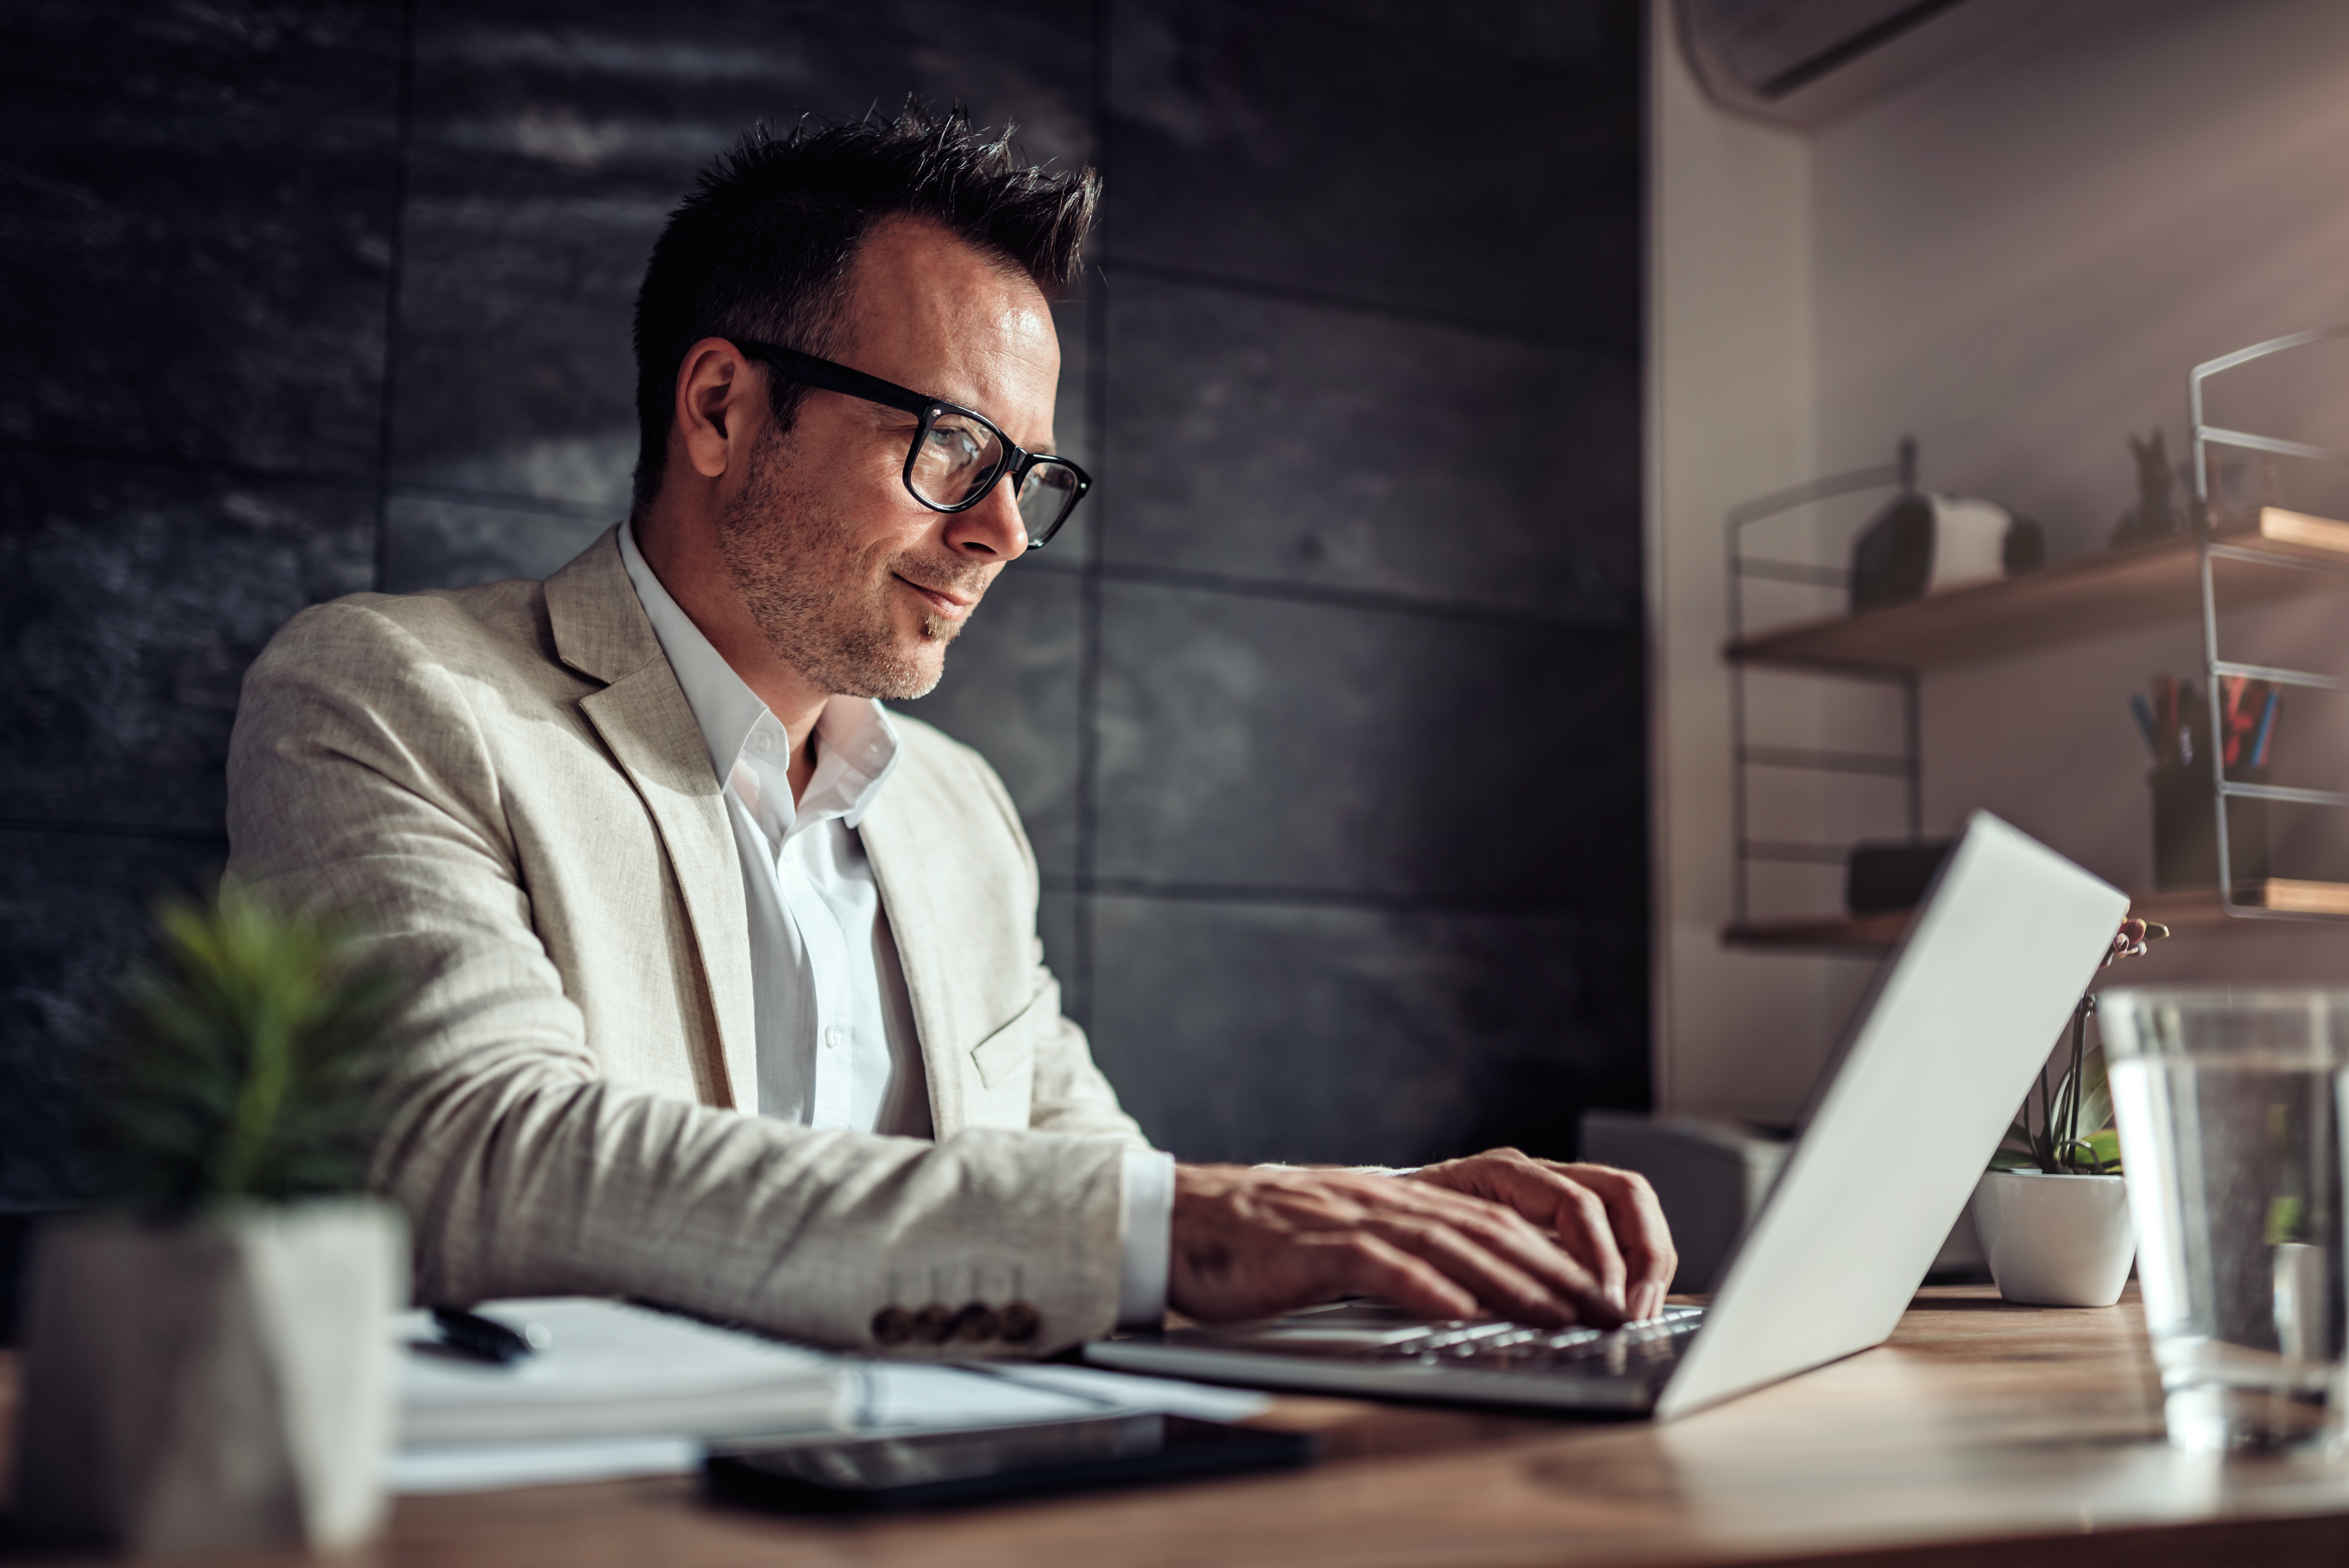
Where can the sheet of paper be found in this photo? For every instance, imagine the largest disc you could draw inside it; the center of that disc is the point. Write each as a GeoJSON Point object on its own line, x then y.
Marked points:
{"type": "Point", "coordinates": [609, 1369]}
{"type": "Point", "coordinates": [914, 1396]}
{"type": "Point", "coordinates": [899, 1397]}
{"type": "Point", "coordinates": [487, 1467]}
{"type": "Point", "coordinates": [1159, 1395]}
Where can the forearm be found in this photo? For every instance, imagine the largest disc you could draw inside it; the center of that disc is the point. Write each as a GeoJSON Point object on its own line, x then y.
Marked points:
{"type": "Point", "coordinates": [523, 1187]}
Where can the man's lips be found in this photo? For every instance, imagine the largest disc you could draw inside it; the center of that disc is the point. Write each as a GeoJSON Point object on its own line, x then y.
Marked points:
{"type": "Point", "coordinates": [942, 602]}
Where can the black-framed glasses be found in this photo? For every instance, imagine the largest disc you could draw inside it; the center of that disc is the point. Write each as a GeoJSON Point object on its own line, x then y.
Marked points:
{"type": "Point", "coordinates": [957, 453]}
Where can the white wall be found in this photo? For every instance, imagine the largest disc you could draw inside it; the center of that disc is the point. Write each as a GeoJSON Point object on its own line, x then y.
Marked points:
{"type": "Point", "coordinates": [2018, 262]}
{"type": "Point", "coordinates": [1730, 416]}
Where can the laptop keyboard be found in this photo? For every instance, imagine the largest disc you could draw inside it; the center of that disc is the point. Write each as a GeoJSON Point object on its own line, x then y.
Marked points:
{"type": "Point", "coordinates": [1638, 1349]}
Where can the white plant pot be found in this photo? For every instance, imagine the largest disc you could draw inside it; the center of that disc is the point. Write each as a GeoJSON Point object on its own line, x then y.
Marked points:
{"type": "Point", "coordinates": [2055, 1240]}
{"type": "Point", "coordinates": [221, 1386]}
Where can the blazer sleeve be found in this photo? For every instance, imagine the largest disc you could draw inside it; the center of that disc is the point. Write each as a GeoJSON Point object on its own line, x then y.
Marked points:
{"type": "Point", "coordinates": [363, 780]}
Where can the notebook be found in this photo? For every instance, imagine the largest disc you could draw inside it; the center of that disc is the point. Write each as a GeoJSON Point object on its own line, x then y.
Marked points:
{"type": "Point", "coordinates": [611, 1369]}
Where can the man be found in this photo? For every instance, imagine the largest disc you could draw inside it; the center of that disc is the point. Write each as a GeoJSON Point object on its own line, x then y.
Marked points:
{"type": "Point", "coordinates": [727, 990]}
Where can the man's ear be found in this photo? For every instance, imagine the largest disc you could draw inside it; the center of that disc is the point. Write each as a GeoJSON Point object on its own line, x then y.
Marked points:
{"type": "Point", "coordinates": [713, 387]}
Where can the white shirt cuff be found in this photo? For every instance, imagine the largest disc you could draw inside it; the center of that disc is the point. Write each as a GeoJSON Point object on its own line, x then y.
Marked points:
{"type": "Point", "coordinates": [1148, 1239]}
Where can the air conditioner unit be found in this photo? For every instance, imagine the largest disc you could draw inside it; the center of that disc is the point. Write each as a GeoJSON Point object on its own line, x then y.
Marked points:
{"type": "Point", "coordinates": [1808, 62]}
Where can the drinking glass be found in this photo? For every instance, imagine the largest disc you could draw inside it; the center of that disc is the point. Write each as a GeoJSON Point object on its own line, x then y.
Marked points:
{"type": "Point", "coordinates": [2230, 1104]}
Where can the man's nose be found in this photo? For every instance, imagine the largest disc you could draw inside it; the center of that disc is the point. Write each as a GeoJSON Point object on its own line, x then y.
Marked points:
{"type": "Point", "coordinates": [993, 529]}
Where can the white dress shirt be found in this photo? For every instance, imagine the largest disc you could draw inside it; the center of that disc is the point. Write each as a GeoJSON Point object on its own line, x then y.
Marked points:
{"type": "Point", "coordinates": [836, 1042]}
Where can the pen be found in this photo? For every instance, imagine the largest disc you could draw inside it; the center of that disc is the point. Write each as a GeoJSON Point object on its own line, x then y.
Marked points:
{"type": "Point", "coordinates": [2266, 731]}
{"type": "Point", "coordinates": [481, 1338]}
{"type": "Point", "coordinates": [2144, 712]}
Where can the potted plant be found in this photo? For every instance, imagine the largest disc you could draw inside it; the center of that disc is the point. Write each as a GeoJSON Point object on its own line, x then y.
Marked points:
{"type": "Point", "coordinates": [208, 1360]}
{"type": "Point", "coordinates": [2053, 1210]}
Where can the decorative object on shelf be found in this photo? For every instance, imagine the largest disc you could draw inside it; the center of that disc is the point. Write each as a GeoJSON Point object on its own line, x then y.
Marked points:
{"type": "Point", "coordinates": [2157, 514]}
{"type": "Point", "coordinates": [2176, 723]}
{"type": "Point", "coordinates": [2052, 1210]}
{"type": "Point", "coordinates": [1879, 877]}
{"type": "Point", "coordinates": [2186, 833]}
{"type": "Point", "coordinates": [209, 1368]}
{"type": "Point", "coordinates": [1922, 543]}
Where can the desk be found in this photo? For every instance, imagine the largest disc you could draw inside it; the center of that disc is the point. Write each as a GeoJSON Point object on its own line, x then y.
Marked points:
{"type": "Point", "coordinates": [1983, 1433]}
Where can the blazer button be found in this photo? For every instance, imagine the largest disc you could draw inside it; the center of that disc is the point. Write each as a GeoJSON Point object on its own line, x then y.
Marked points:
{"type": "Point", "coordinates": [1021, 1323]}
{"type": "Point", "coordinates": [974, 1321]}
{"type": "Point", "coordinates": [893, 1326]}
{"type": "Point", "coordinates": [934, 1323]}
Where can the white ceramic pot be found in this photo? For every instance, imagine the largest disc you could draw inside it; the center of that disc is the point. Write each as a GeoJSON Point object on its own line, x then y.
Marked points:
{"type": "Point", "coordinates": [220, 1386]}
{"type": "Point", "coordinates": [2055, 1240]}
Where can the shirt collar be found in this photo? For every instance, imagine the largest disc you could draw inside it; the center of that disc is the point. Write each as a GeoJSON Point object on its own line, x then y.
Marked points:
{"type": "Point", "coordinates": [857, 745]}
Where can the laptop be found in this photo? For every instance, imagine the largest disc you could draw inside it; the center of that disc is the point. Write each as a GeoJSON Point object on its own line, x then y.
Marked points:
{"type": "Point", "coordinates": [1937, 1057]}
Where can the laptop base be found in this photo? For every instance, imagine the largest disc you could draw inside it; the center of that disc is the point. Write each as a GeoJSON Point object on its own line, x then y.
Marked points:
{"type": "Point", "coordinates": [1372, 1350]}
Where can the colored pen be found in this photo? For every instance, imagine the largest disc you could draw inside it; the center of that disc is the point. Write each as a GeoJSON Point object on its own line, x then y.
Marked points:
{"type": "Point", "coordinates": [2267, 730]}
{"type": "Point", "coordinates": [2145, 726]}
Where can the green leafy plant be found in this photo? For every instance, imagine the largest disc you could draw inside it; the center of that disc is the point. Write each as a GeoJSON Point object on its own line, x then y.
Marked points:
{"type": "Point", "coordinates": [2074, 1135]}
{"type": "Point", "coordinates": [255, 1053]}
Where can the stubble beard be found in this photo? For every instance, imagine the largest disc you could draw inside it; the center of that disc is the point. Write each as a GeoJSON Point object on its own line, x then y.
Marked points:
{"type": "Point", "coordinates": [824, 608]}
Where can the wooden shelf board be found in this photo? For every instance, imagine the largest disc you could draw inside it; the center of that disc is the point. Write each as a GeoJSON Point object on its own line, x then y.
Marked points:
{"type": "Point", "coordinates": [2185, 911]}
{"type": "Point", "coordinates": [2087, 596]}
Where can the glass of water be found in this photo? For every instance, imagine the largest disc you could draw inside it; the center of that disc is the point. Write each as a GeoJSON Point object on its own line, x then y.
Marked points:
{"type": "Point", "coordinates": [2230, 1107]}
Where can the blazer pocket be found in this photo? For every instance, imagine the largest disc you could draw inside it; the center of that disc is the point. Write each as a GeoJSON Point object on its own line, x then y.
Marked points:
{"type": "Point", "coordinates": [1012, 1049]}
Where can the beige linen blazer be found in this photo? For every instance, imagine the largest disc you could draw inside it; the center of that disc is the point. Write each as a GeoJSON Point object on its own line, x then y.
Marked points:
{"type": "Point", "coordinates": [505, 788]}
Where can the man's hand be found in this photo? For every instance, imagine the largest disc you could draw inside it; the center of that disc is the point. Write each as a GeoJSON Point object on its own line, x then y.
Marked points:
{"type": "Point", "coordinates": [1607, 1220]}
{"type": "Point", "coordinates": [1250, 1242]}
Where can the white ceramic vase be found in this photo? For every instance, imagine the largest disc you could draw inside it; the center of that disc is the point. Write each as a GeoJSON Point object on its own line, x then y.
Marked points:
{"type": "Point", "coordinates": [2055, 1240]}
{"type": "Point", "coordinates": [220, 1386]}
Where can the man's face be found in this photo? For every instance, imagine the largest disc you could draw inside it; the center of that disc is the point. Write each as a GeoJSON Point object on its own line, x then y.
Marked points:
{"type": "Point", "coordinates": [856, 585]}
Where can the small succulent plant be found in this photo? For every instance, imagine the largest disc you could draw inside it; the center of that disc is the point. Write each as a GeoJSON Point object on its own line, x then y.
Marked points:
{"type": "Point", "coordinates": [255, 1051]}
{"type": "Point", "coordinates": [2074, 1135]}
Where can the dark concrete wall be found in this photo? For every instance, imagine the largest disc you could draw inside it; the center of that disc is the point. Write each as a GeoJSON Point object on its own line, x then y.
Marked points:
{"type": "Point", "coordinates": [1326, 714]}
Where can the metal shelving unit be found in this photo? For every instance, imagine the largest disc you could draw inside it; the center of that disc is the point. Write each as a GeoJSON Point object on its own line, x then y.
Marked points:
{"type": "Point", "coordinates": [1907, 765]}
{"type": "Point", "coordinates": [2268, 557]}
{"type": "Point", "coordinates": [2253, 549]}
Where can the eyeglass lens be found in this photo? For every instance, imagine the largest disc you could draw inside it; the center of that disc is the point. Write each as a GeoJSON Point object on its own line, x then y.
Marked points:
{"type": "Point", "coordinates": [1045, 497]}
{"type": "Point", "coordinates": [959, 455]}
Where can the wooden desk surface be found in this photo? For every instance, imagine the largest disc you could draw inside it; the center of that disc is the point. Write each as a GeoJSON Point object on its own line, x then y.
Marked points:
{"type": "Point", "coordinates": [1982, 1433]}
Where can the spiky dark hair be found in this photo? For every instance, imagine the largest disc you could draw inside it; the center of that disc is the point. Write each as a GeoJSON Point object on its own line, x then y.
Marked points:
{"type": "Point", "coordinates": [763, 245]}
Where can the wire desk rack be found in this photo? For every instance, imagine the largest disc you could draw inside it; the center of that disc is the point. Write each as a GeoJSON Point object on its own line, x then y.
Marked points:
{"type": "Point", "coordinates": [2215, 546]}
{"type": "Point", "coordinates": [1900, 477]}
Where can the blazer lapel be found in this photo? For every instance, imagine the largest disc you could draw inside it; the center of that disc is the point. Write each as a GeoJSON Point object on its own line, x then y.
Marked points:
{"type": "Point", "coordinates": [900, 856]}
{"type": "Point", "coordinates": [601, 631]}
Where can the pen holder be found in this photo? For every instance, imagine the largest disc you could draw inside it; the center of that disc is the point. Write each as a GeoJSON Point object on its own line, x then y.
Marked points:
{"type": "Point", "coordinates": [2186, 830]}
